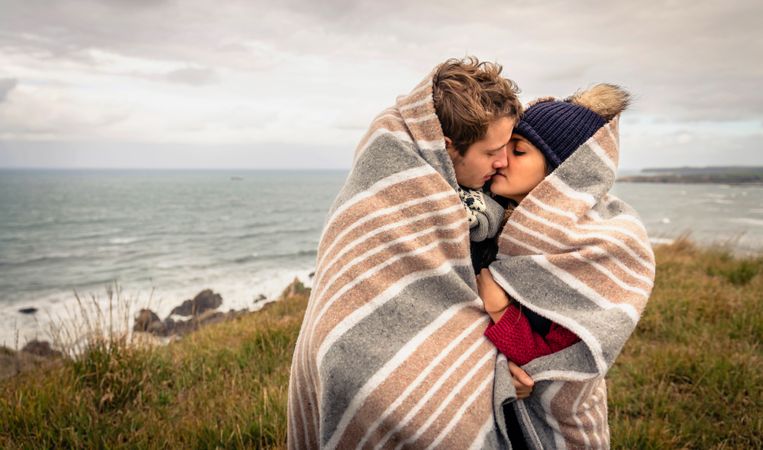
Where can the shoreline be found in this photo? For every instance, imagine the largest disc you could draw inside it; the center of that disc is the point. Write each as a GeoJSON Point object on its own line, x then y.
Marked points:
{"type": "Point", "coordinates": [63, 308]}
{"type": "Point", "coordinates": [18, 328]}
{"type": "Point", "coordinates": [681, 180]}
{"type": "Point", "coordinates": [238, 373]}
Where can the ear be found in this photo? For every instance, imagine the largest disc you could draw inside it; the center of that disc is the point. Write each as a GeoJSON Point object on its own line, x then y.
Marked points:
{"type": "Point", "coordinates": [450, 148]}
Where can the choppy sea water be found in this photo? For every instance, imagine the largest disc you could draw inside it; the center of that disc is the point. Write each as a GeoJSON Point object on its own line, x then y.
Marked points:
{"type": "Point", "coordinates": [163, 236]}
{"type": "Point", "coordinates": [710, 214]}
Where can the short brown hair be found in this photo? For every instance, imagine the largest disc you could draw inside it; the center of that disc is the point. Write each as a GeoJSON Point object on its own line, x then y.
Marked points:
{"type": "Point", "coordinates": [468, 96]}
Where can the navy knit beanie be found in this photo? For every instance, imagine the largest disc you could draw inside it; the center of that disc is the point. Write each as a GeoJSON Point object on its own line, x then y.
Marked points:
{"type": "Point", "coordinates": [558, 128]}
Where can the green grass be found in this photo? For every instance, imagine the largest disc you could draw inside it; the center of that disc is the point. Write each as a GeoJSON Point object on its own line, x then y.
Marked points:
{"type": "Point", "coordinates": [224, 386]}
{"type": "Point", "coordinates": [690, 377]}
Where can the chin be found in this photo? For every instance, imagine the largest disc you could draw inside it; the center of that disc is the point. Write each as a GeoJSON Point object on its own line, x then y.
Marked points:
{"type": "Point", "coordinates": [496, 188]}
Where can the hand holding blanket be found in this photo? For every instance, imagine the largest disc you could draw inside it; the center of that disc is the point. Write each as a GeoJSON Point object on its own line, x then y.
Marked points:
{"type": "Point", "coordinates": [580, 257]}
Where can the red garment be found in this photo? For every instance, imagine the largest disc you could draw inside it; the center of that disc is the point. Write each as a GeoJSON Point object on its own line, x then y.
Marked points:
{"type": "Point", "coordinates": [514, 337]}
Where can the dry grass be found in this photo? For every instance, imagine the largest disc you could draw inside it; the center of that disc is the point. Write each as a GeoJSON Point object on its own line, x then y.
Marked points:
{"type": "Point", "coordinates": [690, 377]}
{"type": "Point", "coordinates": [224, 386]}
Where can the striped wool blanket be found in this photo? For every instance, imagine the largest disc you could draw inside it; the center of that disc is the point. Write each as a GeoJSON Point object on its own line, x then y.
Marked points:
{"type": "Point", "coordinates": [391, 352]}
{"type": "Point", "coordinates": [580, 257]}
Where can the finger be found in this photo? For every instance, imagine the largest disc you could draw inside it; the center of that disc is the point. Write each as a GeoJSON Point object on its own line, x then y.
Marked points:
{"type": "Point", "coordinates": [520, 375]}
{"type": "Point", "coordinates": [521, 390]}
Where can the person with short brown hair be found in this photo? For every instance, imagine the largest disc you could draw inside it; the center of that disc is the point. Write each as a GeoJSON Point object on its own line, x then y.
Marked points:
{"type": "Point", "coordinates": [477, 108]}
{"type": "Point", "coordinates": [468, 96]}
{"type": "Point", "coordinates": [394, 327]}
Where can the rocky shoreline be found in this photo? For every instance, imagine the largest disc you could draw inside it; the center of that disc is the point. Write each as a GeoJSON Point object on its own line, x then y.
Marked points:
{"type": "Point", "coordinates": [188, 317]}
{"type": "Point", "coordinates": [740, 175]}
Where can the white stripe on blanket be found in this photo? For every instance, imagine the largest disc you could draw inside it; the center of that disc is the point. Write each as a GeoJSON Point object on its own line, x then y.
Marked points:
{"type": "Point", "coordinates": [378, 249]}
{"type": "Point", "coordinates": [446, 401]}
{"type": "Point", "coordinates": [565, 189]}
{"type": "Point", "coordinates": [563, 320]}
{"type": "Point", "coordinates": [579, 422]}
{"type": "Point", "coordinates": [598, 151]}
{"type": "Point", "coordinates": [383, 229]}
{"type": "Point", "coordinates": [479, 441]}
{"type": "Point", "coordinates": [380, 185]}
{"type": "Point", "coordinates": [430, 393]}
{"type": "Point", "coordinates": [553, 424]}
{"type": "Point", "coordinates": [598, 249]}
{"type": "Point", "coordinates": [424, 373]}
{"type": "Point", "coordinates": [461, 411]}
{"type": "Point", "coordinates": [356, 316]}
{"type": "Point", "coordinates": [392, 364]}
{"type": "Point", "coordinates": [572, 236]}
{"type": "Point", "coordinates": [593, 226]}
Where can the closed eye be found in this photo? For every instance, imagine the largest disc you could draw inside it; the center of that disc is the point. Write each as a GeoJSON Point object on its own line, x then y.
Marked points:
{"type": "Point", "coordinates": [518, 152]}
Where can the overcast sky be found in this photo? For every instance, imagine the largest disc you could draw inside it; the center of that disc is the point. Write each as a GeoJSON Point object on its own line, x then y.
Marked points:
{"type": "Point", "coordinates": [294, 84]}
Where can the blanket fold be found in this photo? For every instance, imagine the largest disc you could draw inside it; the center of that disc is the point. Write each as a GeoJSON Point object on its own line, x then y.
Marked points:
{"type": "Point", "coordinates": [391, 351]}
{"type": "Point", "coordinates": [575, 254]}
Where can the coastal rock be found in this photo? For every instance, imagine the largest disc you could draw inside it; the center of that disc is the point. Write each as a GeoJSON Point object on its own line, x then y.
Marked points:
{"type": "Point", "coordinates": [40, 348]}
{"type": "Point", "coordinates": [211, 317]}
{"type": "Point", "coordinates": [183, 327]}
{"type": "Point", "coordinates": [28, 310]}
{"type": "Point", "coordinates": [204, 301]}
{"type": "Point", "coordinates": [148, 321]}
{"type": "Point", "coordinates": [172, 327]}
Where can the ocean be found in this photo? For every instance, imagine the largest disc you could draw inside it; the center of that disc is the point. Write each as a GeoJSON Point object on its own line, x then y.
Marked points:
{"type": "Point", "coordinates": [163, 236]}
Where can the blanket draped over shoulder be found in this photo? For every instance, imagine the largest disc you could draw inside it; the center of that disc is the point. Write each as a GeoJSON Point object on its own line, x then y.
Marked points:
{"type": "Point", "coordinates": [391, 350]}
{"type": "Point", "coordinates": [581, 257]}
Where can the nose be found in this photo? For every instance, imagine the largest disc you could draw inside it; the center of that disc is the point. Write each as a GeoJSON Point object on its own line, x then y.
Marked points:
{"type": "Point", "coordinates": [501, 159]}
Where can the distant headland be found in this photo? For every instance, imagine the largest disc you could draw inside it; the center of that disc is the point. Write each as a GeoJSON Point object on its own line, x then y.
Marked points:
{"type": "Point", "coordinates": [719, 175]}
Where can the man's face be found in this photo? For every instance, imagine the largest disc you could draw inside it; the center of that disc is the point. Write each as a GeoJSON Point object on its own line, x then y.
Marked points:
{"type": "Point", "coordinates": [483, 157]}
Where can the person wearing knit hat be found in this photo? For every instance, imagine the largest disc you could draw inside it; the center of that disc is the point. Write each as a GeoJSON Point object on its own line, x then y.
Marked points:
{"type": "Point", "coordinates": [550, 131]}
{"type": "Point", "coordinates": [548, 257]}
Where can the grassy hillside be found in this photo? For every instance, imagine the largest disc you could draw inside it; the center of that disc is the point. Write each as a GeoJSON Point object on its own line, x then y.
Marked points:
{"type": "Point", "coordinates": [690, 377]}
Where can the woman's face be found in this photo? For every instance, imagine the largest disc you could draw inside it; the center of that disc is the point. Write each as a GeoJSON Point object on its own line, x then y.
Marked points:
{"type": "Point", "coordinates": [525, 169]}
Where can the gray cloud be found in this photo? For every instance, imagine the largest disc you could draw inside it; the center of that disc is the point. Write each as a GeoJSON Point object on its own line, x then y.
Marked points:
{"type": "Point", "coordinates": [105, 154]}
{"type": "Point", "coordinates": [193, 76]}
{"type": "Point", "coordinates": [6, 86]}
{"type": "Point", "coordinates": [326, 68]}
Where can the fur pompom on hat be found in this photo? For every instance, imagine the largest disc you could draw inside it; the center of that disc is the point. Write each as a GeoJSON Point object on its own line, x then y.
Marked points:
{"type": "Point", "coordinates": [559, 127]}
